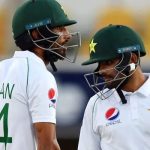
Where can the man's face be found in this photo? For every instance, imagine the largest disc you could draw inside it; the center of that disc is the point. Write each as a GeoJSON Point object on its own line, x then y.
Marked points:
{"type": "Point", "coordinates": [54, 39]}
{"type": "Point", "coordinates": [111, 76]}
{"type": "Point", "coordinates": [63, 38]}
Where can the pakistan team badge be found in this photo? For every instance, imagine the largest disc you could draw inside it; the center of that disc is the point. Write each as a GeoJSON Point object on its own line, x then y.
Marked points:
{"type": "Point", "coordinates": [92, 46]}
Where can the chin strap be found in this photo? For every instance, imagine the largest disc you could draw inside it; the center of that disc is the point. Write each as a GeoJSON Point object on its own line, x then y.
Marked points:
{"type": "Point", "coordinates": [124, 62]}
{"type": "Point", "coordinates": [52, 58]}
{"type": "Point", "coordinates": [121, 95]}
{"type": "Point", "coordinates": [53, 66]}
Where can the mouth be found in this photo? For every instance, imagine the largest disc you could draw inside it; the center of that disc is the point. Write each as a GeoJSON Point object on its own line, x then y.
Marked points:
{"type": "Point", "coordinates": [61, 51]}
{"type": "Point", "coordinates": [107, 78]}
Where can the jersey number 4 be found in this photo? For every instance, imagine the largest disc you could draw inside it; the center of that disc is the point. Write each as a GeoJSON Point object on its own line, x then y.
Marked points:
{"type": "Point", "coordinates": [4, 114]}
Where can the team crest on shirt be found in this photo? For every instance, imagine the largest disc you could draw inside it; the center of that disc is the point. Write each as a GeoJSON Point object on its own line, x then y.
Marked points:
{"type": "Point", "coordinates": [112, 115]}
{"type": "Point", "coordinates": [51, 95]}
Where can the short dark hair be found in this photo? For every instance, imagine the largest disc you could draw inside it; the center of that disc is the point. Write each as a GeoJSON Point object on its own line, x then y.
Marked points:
{"type": "Point", "coordinates": [24, 42]}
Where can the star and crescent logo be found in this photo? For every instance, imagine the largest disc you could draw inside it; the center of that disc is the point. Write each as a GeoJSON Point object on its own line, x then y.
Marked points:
{"type": "Point", "coordinates": [92, 46]}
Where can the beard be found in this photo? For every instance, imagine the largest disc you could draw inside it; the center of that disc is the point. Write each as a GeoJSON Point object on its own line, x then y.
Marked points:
{"type": "Point", "coordinates": [111, 82]}
{"type": "Point", "coordinates": [49, 56]}
{"type": "Point", "coordinates": [61, 51]}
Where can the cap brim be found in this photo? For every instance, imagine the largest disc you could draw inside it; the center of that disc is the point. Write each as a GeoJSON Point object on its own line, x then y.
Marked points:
{"type": "Point", "coordinates": [101, 59]}
{"type": "Point", "coordinates": [70, 22]}
{"type": "Point", "coordinates": [89, 62]}
{"type": "Point", "coordinates": [65, 23]}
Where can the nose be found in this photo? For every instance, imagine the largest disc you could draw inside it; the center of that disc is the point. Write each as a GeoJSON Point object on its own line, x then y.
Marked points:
{"type": "Point", "coordinates": [103, 69]}
{"type": "Point", "coordinates": [102, 66]}
{"type": "Point", "coordinates": [67, 36]}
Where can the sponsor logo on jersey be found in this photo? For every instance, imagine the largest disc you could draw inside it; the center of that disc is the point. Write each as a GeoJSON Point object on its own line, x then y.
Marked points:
{"type": "Point", "coordinates": [52, 106]}
{"type": "Point", "coordinates": [111, 115]}
{"type": "Point", "coordinates": [51, 95]}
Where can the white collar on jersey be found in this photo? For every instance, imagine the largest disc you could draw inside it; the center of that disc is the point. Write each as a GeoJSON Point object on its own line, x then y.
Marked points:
{"type": "Point", "coordinates": [144, 89]}
{"type": "Point", "coordinates": [29, 55]}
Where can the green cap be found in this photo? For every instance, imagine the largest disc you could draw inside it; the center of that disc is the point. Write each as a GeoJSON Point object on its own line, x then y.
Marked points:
{"type": "Point", "coordinates": [37, 13]}
{"type": "Point", "coordinates": [113, 40]}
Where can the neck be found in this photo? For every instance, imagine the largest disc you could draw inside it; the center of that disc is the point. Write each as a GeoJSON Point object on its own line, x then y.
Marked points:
{"type": "Point", "coordinates": [135, 81]}
{"type": "Point", "coordinates": [40, 53]}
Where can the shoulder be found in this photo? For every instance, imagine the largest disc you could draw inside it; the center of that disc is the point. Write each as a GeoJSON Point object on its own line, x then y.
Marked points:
{"type": "Point", "coordinates": [39, 71]}
{"type": "Point", "coordinates": [14, 66]}
{"type": "Point", "coordinates": [49, 77]}
{"type": "Point", "coordinates": [41, 77]}
{"type": "Point", "coordinates": [91, 104]}
{"type": "Point", "coordinates": [15, 62]}
{"type": "Point", "coordinates": [147, 74]}
{"type": "Point", "coordinates": [97, 98]}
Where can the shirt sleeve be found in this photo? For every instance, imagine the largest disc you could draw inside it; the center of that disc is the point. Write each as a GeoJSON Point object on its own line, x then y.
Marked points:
{"type": "Point", "coordinates": [88, 140]}
{"type": "Point", "coordinates": [43, 94]}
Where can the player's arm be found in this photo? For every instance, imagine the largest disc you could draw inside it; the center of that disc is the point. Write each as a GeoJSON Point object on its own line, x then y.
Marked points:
{"type": "Point", "coordinates": [46, 136]}
{"type": "Point", "coordinates": [89, 140]}
{"type": "Point", "coordinates": [43, 94]}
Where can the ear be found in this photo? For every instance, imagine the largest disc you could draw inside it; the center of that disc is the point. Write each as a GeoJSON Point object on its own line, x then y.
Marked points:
{"type": "Point", "coordinates": [34, 34]}
{"type": "Point", "coordinates": [134, 58]}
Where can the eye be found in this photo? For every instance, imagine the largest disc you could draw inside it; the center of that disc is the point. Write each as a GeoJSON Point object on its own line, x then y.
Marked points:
{"type": "Point", "coordinates": [108, 62]}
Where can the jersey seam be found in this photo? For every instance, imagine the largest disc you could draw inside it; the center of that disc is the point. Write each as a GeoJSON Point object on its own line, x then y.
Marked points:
{"type": "Point", "coordinates": [27, 76]}
{"type": "Point", "coordinates": [93, 114]}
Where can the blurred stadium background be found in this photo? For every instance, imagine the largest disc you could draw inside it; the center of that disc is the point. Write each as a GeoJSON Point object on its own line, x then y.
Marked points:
{"type": "Point", "coordinates": [73, 90]}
